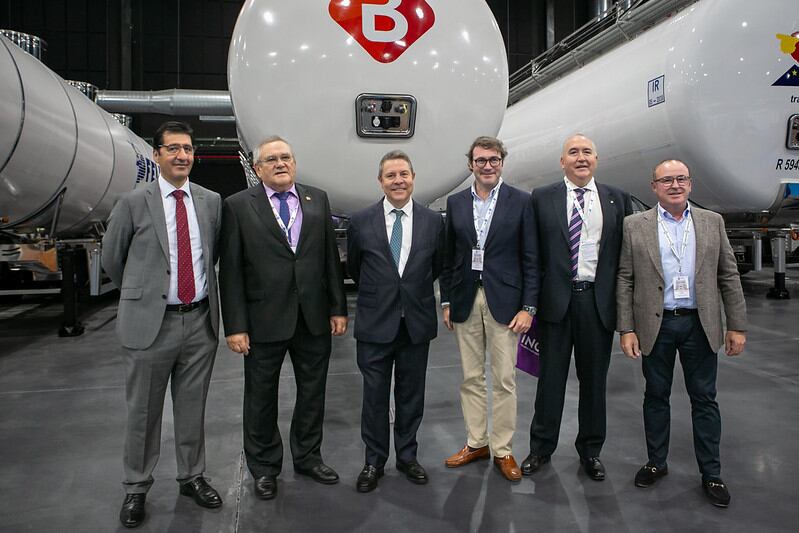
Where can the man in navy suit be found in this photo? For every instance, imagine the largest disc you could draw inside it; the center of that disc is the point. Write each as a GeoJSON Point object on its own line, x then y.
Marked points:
{"type": "Point", "coordinates": [487, 291]}
{"type": "Point", "coordinates": [394, 254]}
{"type": "Point", "coordinates": [577, 232]}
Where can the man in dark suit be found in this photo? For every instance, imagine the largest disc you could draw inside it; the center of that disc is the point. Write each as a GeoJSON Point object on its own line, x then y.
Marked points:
{"type": "Point", "coordinates": [394, 255]}
{"type": "Point", "coordinates": [577, 234]}
{"type": "Point", "coordinates": [488, 291]}
{"type": "Point", "coordinates": [282, 289]}
{"type": "Point", "coordinates": [676, 270]}
{"type": "Point", "coordinates": [160, 250]}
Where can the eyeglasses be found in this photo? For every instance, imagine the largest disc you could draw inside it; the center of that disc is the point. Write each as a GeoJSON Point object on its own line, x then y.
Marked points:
{"type": "Point", "coordinates": [173, 149]}
{"type": "Point", "coordinates": [494, 161]}
{"type": "Point", "coordinates": [273, 159]}
{"type": "Point", "coordinates": [669, 180]}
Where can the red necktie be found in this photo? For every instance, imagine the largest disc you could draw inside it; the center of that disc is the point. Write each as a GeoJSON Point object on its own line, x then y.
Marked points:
{"type": "Point", "coordinates": [185, 269]}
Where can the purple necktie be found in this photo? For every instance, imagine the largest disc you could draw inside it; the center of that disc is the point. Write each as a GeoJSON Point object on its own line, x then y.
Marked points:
{"type": "Point", "coordinates": [575, 228]}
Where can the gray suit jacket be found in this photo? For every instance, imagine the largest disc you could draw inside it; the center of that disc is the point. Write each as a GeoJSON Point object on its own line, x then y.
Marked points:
{"type": "Point", "coordinates": [136, 258]}
{"type": "Point", "coordinates": [640, 285]}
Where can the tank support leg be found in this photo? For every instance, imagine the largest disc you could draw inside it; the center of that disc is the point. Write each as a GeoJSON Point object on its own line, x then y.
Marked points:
{"type": "Point", "coordinates": [71, 327]}
{"type": "Point", "coordinates": [778, 291]}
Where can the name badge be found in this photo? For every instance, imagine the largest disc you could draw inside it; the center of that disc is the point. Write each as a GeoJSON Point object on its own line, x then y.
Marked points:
{"type": "Point", "coordinates": [589, 250]}
{"type": "Point", "coordinates": [681, 289]}
{"type": "Point", "coordinates": [477, 259]}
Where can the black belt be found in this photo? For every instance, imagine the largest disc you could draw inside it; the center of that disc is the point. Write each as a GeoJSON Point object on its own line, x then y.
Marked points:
{"type": "Point", "coordinates": [185, 308]}
{"type": "Point", "coordinates": [579, 286]}
{"type": "Point", "coordinates": [680, 311]}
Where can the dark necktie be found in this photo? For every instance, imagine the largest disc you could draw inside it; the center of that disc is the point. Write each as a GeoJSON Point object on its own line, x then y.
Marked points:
{"type": "Point", "coordinates": [185, 269]}
{"type": "Point", "coordinates": [283, 211]}
{"type": "Point", "coordinates": [575, 229]}
{"type": "Point", "coordinates": [396, 236]}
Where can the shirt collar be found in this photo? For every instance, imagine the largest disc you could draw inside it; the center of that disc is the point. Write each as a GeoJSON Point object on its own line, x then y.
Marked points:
{"type": "Point", "coordinates": [570, 186]}
{"type": "Point", "coordinates": [270, 192]}
{"type": "Point", "coordinates": [666, 215]}
{"type": "Point", "coordinates": [491, 193]}
{"type": "Point", "coordinates": [167, 188]}
{"type": "Point", "coordinates": [407, 209]}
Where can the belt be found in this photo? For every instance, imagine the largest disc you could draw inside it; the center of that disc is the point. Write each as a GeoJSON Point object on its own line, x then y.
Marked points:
{"type": "Point", "coordinates": [680, 311]}
{"type": "Point", "coordinates": [579, 286]}
{"type": "Point", "coordinates": [185, 308]}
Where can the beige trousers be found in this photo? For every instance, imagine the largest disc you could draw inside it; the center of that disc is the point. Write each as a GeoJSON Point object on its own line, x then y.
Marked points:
{"type": "Point", "coordinates": [478, 334]}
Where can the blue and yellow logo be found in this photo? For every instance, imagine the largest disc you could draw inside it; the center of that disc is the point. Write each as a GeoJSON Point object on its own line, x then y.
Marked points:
{"type": "Point", "coordinates": [789, 44]}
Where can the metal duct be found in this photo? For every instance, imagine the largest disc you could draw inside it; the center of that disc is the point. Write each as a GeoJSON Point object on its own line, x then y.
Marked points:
{"type": "Point", "coordinates": [180, 102]}
{"type": "Point", "coordinates": [29, 43]}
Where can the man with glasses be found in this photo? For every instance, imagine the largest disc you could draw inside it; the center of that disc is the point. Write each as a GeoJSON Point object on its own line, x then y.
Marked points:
{"type": "Point", "coordinates": [160, 250]}
{"type": "Point", "coordinates": [488, 292]}
{"type": "Point", "coordinates": [676, 270]}
{"type": "Point", "coordinates": [282, 289]}
{"type": "Point", "coordinates": [577, 232]}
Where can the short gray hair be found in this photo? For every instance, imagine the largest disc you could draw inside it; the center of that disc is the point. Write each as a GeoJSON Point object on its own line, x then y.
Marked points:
{"type": "Point", "coordinates": [269, 140]}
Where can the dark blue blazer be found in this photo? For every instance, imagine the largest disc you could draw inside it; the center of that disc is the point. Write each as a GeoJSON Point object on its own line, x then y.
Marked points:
{"type": "Point", "coordinates": [551, 239]}
{"type": "Point", "coordinates": [509, 275]}
{"type": "Point", "coordinates": [382, 294]}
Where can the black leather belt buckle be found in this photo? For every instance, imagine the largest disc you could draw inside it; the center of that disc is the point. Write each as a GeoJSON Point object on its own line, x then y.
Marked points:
{"type": "Point", "coordinates": [185, 308]}
{"type": "Point", "coordinates": [579, 286]}
{"type": "Point", "coordinates": [679, 311]}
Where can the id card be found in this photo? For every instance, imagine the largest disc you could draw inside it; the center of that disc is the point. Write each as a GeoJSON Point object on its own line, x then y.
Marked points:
{"type": "Point", "coordinates": [477, 259]}
{"type": "Point", "coordinates": [589, 251]}
{"type": "Point", "coordinates": [681, 289]}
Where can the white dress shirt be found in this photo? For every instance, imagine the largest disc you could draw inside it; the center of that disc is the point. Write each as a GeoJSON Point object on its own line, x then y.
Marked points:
{"type": "Point", "coordinates": [592, 224]}
{"type": "Point", "coordinates": [198, 265]}
{"type": "Point", "coordinates": [407, 229]}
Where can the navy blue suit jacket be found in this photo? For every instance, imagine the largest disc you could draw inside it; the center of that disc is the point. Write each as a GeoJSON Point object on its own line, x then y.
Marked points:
{"type": "Point", "coordinates": [382, 294]}
{"type": "Point", "coordinates": [509, 270]}
{"type": "Point", "coordinates": [551, 237]}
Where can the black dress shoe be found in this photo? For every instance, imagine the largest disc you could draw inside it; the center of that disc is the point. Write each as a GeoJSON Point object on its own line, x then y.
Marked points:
{"type": "Point", "coordinates": [320, 473]}
{"type": "Point", "coordinates": [594, 468]}
{"type": "Point", "coordinates": [649, 474]}
{"type": "Point", "coordinates": [132, 513]}
{"type": "Point", "coordinates": [716, 492]}
{"type": "Point", "coordinates": [413, 471]}
{"type": "Point", "coordinates": [202, 493]}
{"type": "Point", "coordinates": [533, 462]}
{"type": "Point", "coordinates": [367, 479]}
{"type": "Point", "coordinates": [266, 487]}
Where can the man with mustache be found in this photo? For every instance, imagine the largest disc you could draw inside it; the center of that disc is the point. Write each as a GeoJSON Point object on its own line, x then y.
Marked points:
{"type": "Point", "coordinates": [577, 234]}
{"type": "Point", "coordinates": [282, 289]}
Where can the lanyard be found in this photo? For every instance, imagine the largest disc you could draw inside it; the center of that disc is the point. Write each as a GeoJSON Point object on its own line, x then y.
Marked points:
{"type": "Point", "coordinates": [292, 219]}
{"type": "Point", "coordinates": [685, 233]}
{"type": "Point", "coordinates": [583, 214]}
{"type": "Point", "coordinates": [483, 222]}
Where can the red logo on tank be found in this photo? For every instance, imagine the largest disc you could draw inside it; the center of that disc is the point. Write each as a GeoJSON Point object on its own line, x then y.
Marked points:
{"type": "Point", "coordinates": [384, 28]}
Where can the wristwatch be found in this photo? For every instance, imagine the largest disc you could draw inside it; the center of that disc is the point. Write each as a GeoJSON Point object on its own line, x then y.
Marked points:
{"type": "Point", "coordinates": [530, 309]}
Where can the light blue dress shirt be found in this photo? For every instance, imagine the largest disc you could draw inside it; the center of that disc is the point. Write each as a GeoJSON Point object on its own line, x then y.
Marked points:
{"type": "Point", "coordinates": [671, 265]}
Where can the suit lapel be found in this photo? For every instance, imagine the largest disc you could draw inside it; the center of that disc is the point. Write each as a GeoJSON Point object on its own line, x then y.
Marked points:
{"type": "Point", "coordinates": [700, 237]}
{"type": "Point", "coordinates": [156, 206]}
{"type": "Point", "coordinates": [466, 203]}
{"type": "Point", "coordinates": [608, 215]}
{"type": "Point", "coordinates": [201, 208]}
{"type": "Point", "coordinates": [416, 233]}
{"type": "Point", "coordinates": [558, 199]}
{"type": "Point", "coordinates": [497, 220]}
{"type": "Point", "coordinates": [263, 208]}
{"type": "Point", "coordinates": [652, 241]}
{"type": "Point", "coordinates": [379, 227]}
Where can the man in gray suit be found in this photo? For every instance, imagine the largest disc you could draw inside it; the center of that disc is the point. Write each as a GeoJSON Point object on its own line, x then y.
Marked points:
{"type": "Point", "coordinates": [160, 250]}
{"type": "Point", "coordinates": [675, 262]}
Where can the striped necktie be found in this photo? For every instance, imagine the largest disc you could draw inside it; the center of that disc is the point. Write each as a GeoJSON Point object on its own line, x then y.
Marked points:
{"type": "Point", "coordinates": [396, 236]}
{"type": "Point", "coordinates": [575, 229]}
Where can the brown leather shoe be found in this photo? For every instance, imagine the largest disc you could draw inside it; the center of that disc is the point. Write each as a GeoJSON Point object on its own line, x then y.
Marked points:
{"type": "Point", "coordinates": [507, 465]}
{"type": "Point", "coordinates": [466, 456]}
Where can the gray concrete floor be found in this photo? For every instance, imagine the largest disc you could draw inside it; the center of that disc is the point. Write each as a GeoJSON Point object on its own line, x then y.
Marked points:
{"type": "Point", "coordinates": [61, 429]}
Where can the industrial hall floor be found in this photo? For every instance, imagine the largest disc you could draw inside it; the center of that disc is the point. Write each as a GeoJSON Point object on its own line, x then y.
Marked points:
{"type": "Point", "coordinates": [61, 430]}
